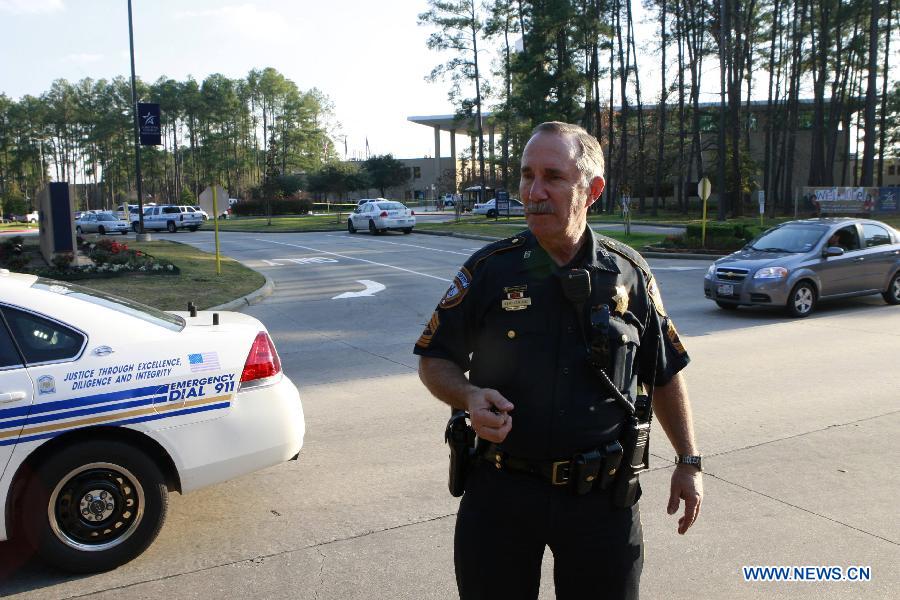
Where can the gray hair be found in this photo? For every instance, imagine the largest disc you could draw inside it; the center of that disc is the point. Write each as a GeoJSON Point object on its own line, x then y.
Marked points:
{"type": "Point", "coordinates": [588, 154]}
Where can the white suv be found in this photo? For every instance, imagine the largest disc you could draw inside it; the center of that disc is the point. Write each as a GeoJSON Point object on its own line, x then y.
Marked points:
{"type": "Point", "coordinates": [170, 217]}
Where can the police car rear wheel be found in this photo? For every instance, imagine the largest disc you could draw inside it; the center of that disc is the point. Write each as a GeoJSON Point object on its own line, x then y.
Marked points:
{"type": "Point", "coordinates": [892, 295]}
{"type": "Point", "coordinates": [94, 506]}
{"type": "Point", "coordinates": [170, 227]}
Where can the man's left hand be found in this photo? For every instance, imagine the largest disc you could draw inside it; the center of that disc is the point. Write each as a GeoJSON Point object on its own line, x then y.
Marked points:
{"type": "Point", "coordinates": [687, 485]}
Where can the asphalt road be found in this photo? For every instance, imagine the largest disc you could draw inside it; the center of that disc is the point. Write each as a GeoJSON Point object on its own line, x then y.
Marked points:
{"type": "Point", "coordinates": [798, 421]}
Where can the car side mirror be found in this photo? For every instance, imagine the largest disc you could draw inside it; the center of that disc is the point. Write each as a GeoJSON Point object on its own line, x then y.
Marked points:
{"type": "Point", "coordinates": [833, 251]}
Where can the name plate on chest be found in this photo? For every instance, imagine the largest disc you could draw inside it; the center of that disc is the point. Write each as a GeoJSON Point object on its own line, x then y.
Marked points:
{"type": "Point", "coordinates": [515, 303]}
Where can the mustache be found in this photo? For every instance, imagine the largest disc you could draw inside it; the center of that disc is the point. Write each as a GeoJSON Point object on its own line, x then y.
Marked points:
{"type": "Point", "coordinates": [539, 208]}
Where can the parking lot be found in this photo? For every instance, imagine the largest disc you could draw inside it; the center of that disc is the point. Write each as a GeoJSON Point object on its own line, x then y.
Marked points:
{"type": "Point", "coordinates": [797, 420]}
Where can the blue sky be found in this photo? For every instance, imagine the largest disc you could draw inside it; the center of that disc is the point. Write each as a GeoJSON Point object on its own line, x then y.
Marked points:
{"type": "Point", "coordinates": [368, 57]}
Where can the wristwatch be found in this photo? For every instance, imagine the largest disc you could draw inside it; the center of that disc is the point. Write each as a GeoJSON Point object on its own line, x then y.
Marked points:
{"type": "Point", "coordinates": [689, 459]}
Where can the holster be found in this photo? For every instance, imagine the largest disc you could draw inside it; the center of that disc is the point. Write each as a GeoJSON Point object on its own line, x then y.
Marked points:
{"type": "Point", "coordinates": [635, 460]}
{"type": "Point", "coordinates": [460, 438]}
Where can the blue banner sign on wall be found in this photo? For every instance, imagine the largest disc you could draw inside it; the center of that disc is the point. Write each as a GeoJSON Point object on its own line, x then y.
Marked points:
{"type": "Point", "coordinates": [148, 124]}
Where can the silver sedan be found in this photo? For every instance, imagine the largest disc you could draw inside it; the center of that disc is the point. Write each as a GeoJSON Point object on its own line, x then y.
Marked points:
{"type": "Point", "coordinates": [799, 263]}
{"type": "Point", "coordinates": [101, 223]}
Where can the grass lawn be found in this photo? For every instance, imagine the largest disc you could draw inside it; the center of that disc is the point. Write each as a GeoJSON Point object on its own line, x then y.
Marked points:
{"type": "Point", "coordinates": [333, 221]}
{"type": "Point", "coordinates": [5, 226]}
{"type": "Point", "coordinates": [197, 281]}
{"type": "Point", "coordinates": [502, 228]}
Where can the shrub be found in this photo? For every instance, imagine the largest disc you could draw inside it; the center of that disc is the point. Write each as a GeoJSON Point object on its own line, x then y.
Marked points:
{"type": "Point", "coordinates": [17, 263]}
{"type": "Point", "coordinates": [62, 260]}
{"type": "Point", "coordinates": [283, 206]}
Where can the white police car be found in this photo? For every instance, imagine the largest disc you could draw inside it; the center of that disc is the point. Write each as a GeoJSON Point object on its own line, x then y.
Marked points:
{"type": "Point", "coordinates": [96, 427]}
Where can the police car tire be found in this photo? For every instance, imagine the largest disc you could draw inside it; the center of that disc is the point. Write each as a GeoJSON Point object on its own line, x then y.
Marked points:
{"type": "Point", "coordinates": [350, 226]}
{"type": "Point", "coordinates": [101, 230]}
{"type": "Point", "coordinates": [170, 227]}
{"type": "Point", "coordinates": [491, 214]}
{"type": "Point", "coordinates": [131, 478]}
{"type": "Point", "coordinates": [892, 294]}
{"type": "Point", "coordinates": [407, 230]}
{"type": "Point", "coordinates": [123, 232]}
{"type": "Point", "coordinates": [372, 229]}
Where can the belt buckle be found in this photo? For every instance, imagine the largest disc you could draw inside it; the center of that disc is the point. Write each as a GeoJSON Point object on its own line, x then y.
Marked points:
{"type": "Point", "coordinates": [560, 467]}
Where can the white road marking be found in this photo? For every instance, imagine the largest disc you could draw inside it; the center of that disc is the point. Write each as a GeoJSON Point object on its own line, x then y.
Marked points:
{"type": "Point", "coordinates": [299, 261]}
{"type": "Point", "coordinates": [410, 245]}
{"type": "Point", "coordinates": [371, 262]}
{"type": "Point", "coordinates": [372, 288]}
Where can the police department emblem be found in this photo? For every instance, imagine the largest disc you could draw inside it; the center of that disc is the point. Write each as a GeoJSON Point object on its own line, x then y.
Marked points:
{"type": "Point", "coordinates": [458, 289]}
{"type": "Point", "coordinates": [46, 385]}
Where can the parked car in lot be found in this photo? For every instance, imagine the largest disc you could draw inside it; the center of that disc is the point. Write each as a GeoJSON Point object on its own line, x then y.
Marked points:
{"type": "Point", "coordinates": [380, 215]}
{"type": "Point", "coordinates": [169, 217]}
{"type": "Point", "coordinates": [107, 406]}
{"type": "Point", "coordinates": [489, 208]}
{"type": "Point", "coordinates": [32, 217]}
{"type": "Point", "coordinates": [797, 264]}
{"type": "Point", "coordinates": [100, 222]}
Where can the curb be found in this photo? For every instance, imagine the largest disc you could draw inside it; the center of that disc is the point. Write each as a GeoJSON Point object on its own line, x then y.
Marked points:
{"type": "Point", "coordinates": [252, 298]}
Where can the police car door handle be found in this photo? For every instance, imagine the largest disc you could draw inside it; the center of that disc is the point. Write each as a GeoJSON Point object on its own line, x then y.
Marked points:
{"type": "Point", "coordinates": [102, 351]}
{"type": "Point", "coordinates": [12, 397]}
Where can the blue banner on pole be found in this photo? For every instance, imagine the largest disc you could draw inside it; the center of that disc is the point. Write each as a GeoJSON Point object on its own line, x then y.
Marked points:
{"type": "Point", "coordinates": [148, 124]}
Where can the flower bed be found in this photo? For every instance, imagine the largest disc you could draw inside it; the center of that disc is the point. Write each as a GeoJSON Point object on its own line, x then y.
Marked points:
{"type": "Point", "coordinates": [109, 259]}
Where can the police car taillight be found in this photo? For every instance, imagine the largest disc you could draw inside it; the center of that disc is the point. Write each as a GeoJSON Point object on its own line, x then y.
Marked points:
{"type": "Point", "coordinates": [262, 362]}
{"type": "Point", "coordinates": [383, 213]}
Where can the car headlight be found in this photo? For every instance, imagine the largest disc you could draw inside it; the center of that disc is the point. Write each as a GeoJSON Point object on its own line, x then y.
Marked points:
{"type": "Point", "coordinates": [771, 273]}
{"type": "Point", "coordinates": [711, 270]}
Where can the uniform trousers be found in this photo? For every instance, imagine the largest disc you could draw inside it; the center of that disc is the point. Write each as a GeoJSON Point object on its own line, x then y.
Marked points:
{"type": "Point", "coordinates": [507, 518]}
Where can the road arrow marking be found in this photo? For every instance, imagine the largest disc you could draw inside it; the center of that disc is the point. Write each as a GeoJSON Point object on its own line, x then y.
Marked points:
{"type": "Point", "coordinates": [372, 288]}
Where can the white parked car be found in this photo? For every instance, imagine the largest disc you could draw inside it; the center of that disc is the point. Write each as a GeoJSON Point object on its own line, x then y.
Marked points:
{"type": "Point", "coordinates": [380, 215]}
{"type": "Point", "coordinates": [107, 405]}
{"type": "Point", "coordinates": [489, 208]}
{"type": "Point", "coordinates": [31, 217]}
{"type": "Point", "coordinates": [100, 222]}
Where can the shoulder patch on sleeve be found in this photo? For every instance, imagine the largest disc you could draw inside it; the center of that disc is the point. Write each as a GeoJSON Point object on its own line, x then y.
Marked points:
{"type": "Point", "coordinates": [655, 296]}
{"type": "Point", "coordinates": [458, 289]}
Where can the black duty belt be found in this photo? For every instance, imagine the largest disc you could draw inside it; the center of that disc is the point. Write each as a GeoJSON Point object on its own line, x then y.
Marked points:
{"type": "Point", "coordinates": [556, 472]}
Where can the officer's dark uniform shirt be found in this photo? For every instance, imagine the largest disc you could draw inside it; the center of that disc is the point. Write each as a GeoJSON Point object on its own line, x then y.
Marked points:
{"type": "Point", "coordinates": [506, 320]}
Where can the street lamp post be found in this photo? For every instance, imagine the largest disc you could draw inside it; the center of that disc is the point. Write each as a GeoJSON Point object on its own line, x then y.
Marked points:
{"type": "Point", "coordinates": [142, 235]}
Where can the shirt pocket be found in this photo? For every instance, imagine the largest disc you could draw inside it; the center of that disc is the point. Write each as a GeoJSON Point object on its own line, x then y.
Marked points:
{"type": "Point", "coordinates": [509, 345]}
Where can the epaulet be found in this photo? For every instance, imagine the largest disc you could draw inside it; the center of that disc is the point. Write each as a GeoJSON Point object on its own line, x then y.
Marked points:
{"type": "Point", "coordinates": [510, 243]}
{"type": "Point", "coordinates": [626, 252]}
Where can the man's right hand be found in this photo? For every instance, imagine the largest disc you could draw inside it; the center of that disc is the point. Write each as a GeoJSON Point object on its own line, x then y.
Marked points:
{"type": "Point", "coordinates": [489, 414]}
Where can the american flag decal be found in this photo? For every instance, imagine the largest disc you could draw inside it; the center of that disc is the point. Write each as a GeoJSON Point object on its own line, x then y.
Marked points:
{"type": "Point", "coordinates": [203, 361]}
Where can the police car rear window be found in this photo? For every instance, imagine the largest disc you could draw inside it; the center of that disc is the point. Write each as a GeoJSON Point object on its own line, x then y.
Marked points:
{"type": "Point", "coordinates": [122, 305]}
{"type": "Point", "coordinates": [390, 206]}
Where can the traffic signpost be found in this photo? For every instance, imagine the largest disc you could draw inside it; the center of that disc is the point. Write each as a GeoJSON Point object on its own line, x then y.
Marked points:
{"type": "Point", "coordinates": [209, 201]}
{"type": "Point", "coordinates": [704, 188]}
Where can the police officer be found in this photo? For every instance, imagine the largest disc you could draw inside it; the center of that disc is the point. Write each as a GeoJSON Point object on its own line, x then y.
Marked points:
{"type": "Point", "coordinates": [507, 321]}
